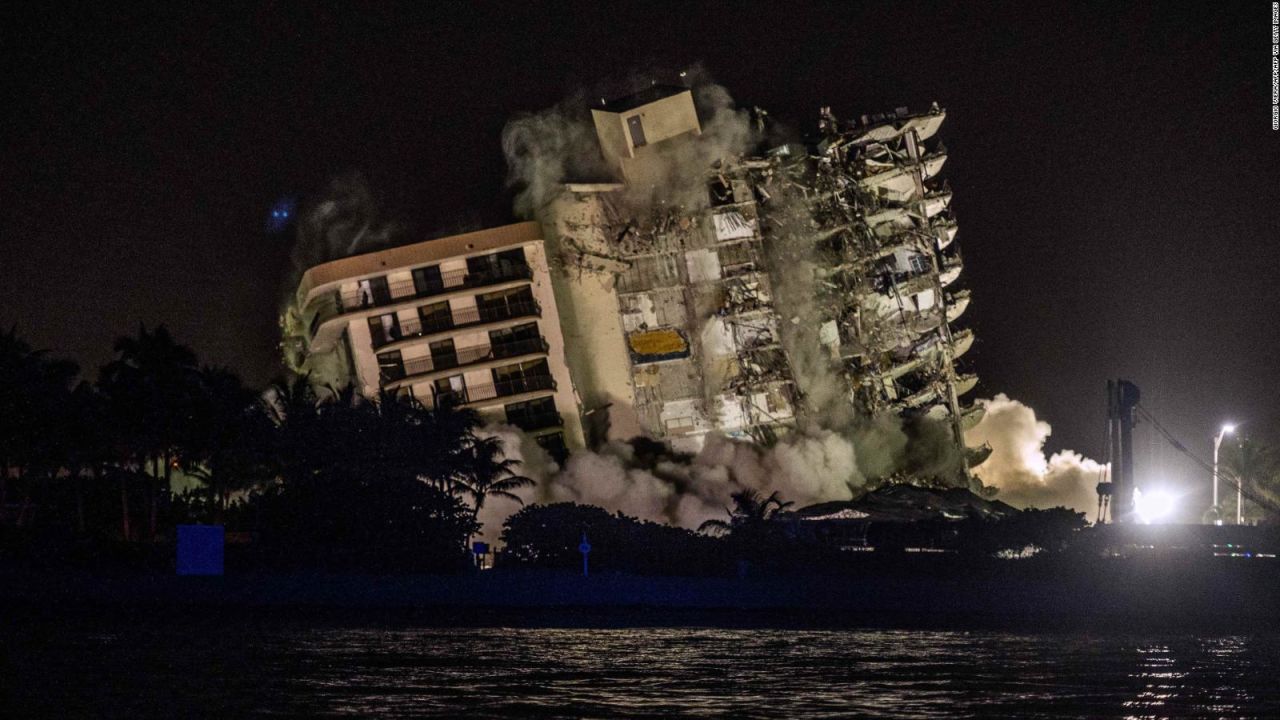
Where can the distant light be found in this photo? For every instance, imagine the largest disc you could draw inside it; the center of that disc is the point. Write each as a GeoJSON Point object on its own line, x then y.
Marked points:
{"type": "Point", "coordinates": [1153, 507]}
{"type": "Point", "coordinates": [281, 211]}
{"type": "Point", "coordinates": [1228, 428]}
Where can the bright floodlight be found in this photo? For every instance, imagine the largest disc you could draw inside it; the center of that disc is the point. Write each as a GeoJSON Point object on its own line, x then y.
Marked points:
{"type": "Point", "coordinates": [1228, 428]}
{"type": "Point", "coordinates": [1153, 507]}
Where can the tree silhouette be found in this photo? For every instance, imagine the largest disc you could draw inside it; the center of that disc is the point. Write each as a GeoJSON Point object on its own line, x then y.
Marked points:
{"type": "Point", "coordinates": [228, 444]}
{"type": "Point", "coordinates": [488, 473]}
{"type": "Point", "coordinates": [750, 515]}
{"type": "Point", "coordinates": [35, 394]}
{"type": "Point", "coordinates": [151, 388]}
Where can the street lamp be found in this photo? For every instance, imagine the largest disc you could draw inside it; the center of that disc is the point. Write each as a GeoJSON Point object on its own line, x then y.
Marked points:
{"type": "Point", "coordinates": [1217, 442]}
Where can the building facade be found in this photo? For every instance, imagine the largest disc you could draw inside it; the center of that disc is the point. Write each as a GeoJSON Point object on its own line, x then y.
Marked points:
{"type": "Point", "coordinates": [468, 321]}
{"type": "Point", "coordinates": [777, 275]}
{"type": "Point", "coordinates": [681, 335]}
{"type": "Point", "coordinates": [689, 289]}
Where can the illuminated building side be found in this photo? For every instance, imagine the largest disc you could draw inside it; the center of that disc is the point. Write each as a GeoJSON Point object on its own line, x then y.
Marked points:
{"type": "Point", "coordinates": [468, 321]}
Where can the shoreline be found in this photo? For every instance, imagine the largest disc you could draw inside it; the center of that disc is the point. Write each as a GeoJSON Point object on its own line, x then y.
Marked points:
{"type": "Point", "coordinates": [1115, 592]}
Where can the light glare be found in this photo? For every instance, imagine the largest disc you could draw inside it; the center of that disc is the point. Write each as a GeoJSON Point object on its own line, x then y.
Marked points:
{"type": "Point", "coordinates": [1154, 506]}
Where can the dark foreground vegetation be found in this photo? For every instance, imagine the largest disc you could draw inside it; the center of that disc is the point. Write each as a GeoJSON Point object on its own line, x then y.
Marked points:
{"type": "Point", "coordinates": [313, 480]}
{"type": "Point", "coordinates": [328, 482]}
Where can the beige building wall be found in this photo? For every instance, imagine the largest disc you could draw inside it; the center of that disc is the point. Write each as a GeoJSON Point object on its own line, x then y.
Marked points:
{"type": "Point", "coordinates": [326, 289]}
{"type": "Point", "coordinates": [595, 342]}
{"type": "Point", "coordinates": [660, 119]}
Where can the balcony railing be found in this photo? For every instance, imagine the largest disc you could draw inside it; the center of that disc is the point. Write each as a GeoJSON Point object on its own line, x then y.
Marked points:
{"type": "Point", "coordinates": [449, 282]}
{"type": "Point", "coordinates": [535, 421]}
{"type": "Point", "coordinates": [520, 347]}
{"type": "Point", "coordinates": [510, 386]}
{"type": "Point", "coordinates": [467, 317]}
{"type": "Point", "coordinates": [489, 391]}
{"type": "Point", "coordinates": [463, 357]}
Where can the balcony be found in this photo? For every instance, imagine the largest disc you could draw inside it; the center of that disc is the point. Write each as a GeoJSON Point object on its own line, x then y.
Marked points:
{"type": "Point", "coordinates": [500, 389]}
{"type": "Point", "coordinates": [451, 281]}
{"type": "Point", "coordinates": [463, 358]}
{"type": "Point", "coordinates": [536, 421]}
{"type": "Point", "coordinates": [509, 387]}
{"type": "Point", "coordinates": [339, 303]}
{"type": "Point", "coordinates": [469, 317]}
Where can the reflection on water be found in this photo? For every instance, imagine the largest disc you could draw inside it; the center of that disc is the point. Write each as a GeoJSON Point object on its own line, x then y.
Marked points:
{"type": "Point", "coordinates": [231, 669]}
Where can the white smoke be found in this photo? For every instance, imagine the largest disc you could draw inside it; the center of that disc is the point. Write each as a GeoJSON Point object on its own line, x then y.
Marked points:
{"type": "Point", "coordinates": [548, 148]}
{"type": "Point", "coordinates": [1018, 468]}
{"type": "Point", "coordinates": [343, 220]}
{"type": "Point", "coordinates": [683, 490]}
{"type": "Point", "coordinates": [545, 149]}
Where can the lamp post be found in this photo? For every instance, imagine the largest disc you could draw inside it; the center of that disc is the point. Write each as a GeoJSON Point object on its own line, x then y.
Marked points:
{"type": "Point", "coordinates": [1217, 443]}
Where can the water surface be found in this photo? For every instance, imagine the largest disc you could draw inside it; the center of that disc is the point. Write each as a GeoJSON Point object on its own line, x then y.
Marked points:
{"type": "Point", "coordinates": [140, 667]}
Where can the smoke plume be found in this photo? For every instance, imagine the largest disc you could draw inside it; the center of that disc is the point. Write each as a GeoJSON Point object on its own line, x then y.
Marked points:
{"type": "Point", "coordinates": [1018, 468]}
{"type": "Point", "coordinates": [646, 479]}
{"type": "Point", "coordinates": [344, 220]}
{"type": "Point", "coordinates": [833, 455]}
{"type": "Point", "coordinates": [546, 149]}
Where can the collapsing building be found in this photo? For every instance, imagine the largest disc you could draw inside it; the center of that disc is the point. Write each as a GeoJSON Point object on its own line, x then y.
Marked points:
{"type": "Point", "coordinates": [696, 280]}
{"type": "Point", "coordinates": [669, 315]}
{"type": "Point", "coordinates": [777, 284]}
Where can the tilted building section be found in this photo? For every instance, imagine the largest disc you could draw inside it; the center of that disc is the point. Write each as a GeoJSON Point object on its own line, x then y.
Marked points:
{"type": "Point", "coordinates": [668, 301]}
{"type": "Point", "coordinates": [466, 321]}
{"type": "Point", "coordinates": [667, 306]}
{"type": "Point", "coordinates": [886, 263]}
{"type": "Point", "coordinates": [673, 302]}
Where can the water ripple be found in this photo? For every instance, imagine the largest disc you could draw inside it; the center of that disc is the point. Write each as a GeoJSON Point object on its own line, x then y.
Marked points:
{"type": "Point", "coordinates": [246, 669]}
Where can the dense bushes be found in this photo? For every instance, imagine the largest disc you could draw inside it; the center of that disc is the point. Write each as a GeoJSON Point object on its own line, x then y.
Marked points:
{"type": "Point", "coordinates": [547, 536]}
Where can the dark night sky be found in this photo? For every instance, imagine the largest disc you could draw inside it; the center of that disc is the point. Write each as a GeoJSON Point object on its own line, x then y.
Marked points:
{"type": "Point", "coordinates": [1114, 167]}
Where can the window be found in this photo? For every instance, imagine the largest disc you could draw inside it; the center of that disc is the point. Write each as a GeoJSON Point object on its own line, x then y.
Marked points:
{"type": "Point", "coordinates": [427, 281]}
{"type": "Point", "coordinates": [522, 377]}
{"type": "Point", "coordinates": [517, 340]}
{"type": "Point", "coordinates": [637, 131]}
{"type": "Point", "coordinates": [506, 265]}
{"type": "Point", "coordinates": [533, 414]}
{"type": "Point", "coordinates": [920, 264]}
{"type": "Point", "coordinates": [506, 304]}
{"type": "Point", "coordinates": [450, 391]}
{"type": "Point", "coordinates": [372, 291]}
{"type": "Point", "coordinates": [435, 317]}
{"type": "Point", "coordinates": [553, 443]}
{"type": "Point", "coordinates": [443, 354]}
{"type": "Point", "coordinates": [390, 366]}
{"type": "Point", "coordinates": [384, 329]}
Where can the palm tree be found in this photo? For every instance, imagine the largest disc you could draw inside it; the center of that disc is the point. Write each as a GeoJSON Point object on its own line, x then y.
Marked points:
{"type": "Point", "coordinates": [226, 450]}
{"type": "Point", "coordinates": [488, 473]}
{"type": "Point", "coordinates": [151, 387]}
{"type": "Point", "coordinates": [750, 514]}
{"type": "Point", "coordinates": [17, 363]}
{"type": "Point", "coordinates": [86, 439]}
{"type": "Point", "coordinates": [1255, 467]}
{"type": "Point", "coordinates": [35, 393]}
